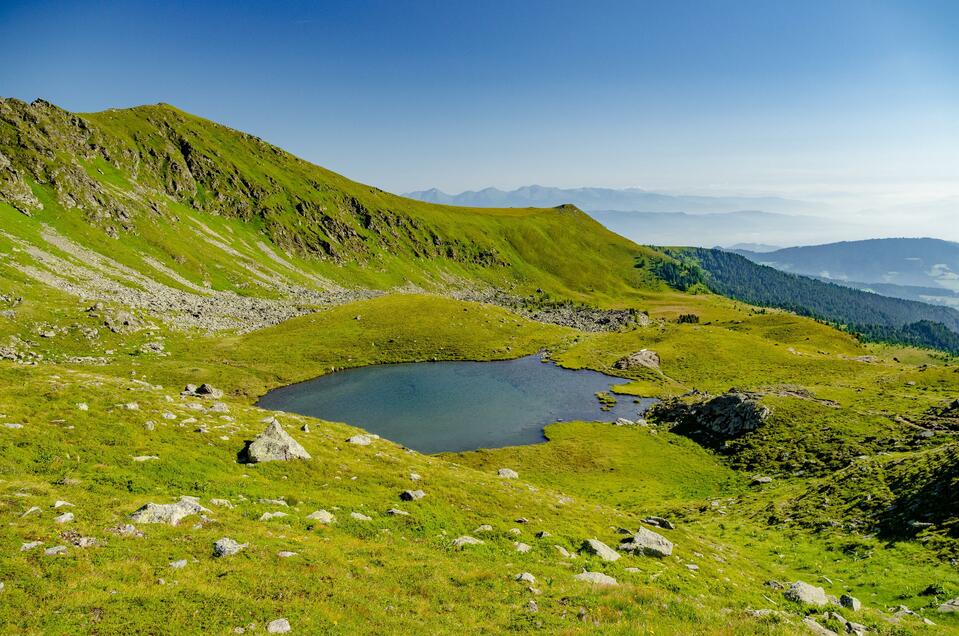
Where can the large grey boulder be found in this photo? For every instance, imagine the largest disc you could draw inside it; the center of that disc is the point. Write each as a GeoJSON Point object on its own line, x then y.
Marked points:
{"type": "Point", "coordinates": [600, 549]}
{"type": "Point", "coordinates": [648, 543]}
{"type": "Point", "coordinates": [950, 607]}
{"type": "Point", "coordinates": [465, 540]}
{"type": "Point", "coordinates": [273, 444]}
{"type": "Point", "coordinates": [802, 592]}
{"type": "Point", "coordinates": [170, 514]}
{"type": "Point", "coordinates": [507, 473]}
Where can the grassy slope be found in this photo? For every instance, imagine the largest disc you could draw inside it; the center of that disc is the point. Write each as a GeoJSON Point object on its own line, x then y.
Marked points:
{"type": "Point", "coordinates": [398, 574]}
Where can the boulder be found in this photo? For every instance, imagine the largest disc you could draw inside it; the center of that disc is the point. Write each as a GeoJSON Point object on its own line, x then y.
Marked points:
{"type": "Point", "coordinates": [522, 548]}
{"type": "Point", "coordinates": [596, 578]}
{"type": "Point", "coordinates": [227, 547]}
{"type": "Point", "coordinates": [278, 626]}
{"type": "Point", "coordinates": [273, 444]}
{"type": "Point", "coordinates": [396, 512]}
{"type": "Point", "coordinates": [359, 516]}
{"type": "Point", "coordinates": [816, 628]}
{"type": "Point", "coordinates": [802, 592]}
{"type": "Point", "coordinates": [322, 516]}
{"type": "Point", "coordinates": [600, 549]}
{"type": "Point", "coordinates": [412, 495]}
{"type": "Point", "coordinates": [360, 440]}
{"type": "Point", "coordinates": [507, 473]}
{"type": "Point", "coordinates": [170, 514]}
{"type": "Point", "coordinates": [204, 390]}
{"type": "Point", "coordinates": [525, 577]}
{"type": "Point", "coordinates": [642, 359]}
{"type": "Point", "coordinates": [850, 602]}
{"type": "Point", "coordinates": [949, 607]}
{"type": "Point", "coordinates": [648, 543]}
{"type": "Point", "coordinates": [465, 540]}
{"type": "Point", "coordinates": [711, 421]}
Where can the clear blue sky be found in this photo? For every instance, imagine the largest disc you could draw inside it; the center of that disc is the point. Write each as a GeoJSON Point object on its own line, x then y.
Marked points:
{"type": "Point", "coordinates": [773, 95]}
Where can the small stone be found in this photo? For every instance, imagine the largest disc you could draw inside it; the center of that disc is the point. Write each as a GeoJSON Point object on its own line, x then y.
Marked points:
{"type": "Point", "coordinates": [543, 534]}
{"type": "Point", "coordinates": [525, 577]}
{"type": "Point", "coordinates": [177, 565]}
{"type": "Point", "coordinates": [692, 567]}
{"type": "Point", "coordinates": [359, 516]}
{"type": "Point", "coordinates": [278, 626]}
{"type": "Point", "coordinates": [360, 440]}
{"type": "Point", "coordinates": [507, 473]}
{"type": "Point", "coordinates": [145, 458]}
{"type": "Point", "coordinates": [83, 406]}
{"type": "Point", "coordinates": [170, 514]}
{"type": "Point", "coordinates": [396, 512]}
{"type": "Point", "coordinates": [762, 479]}
{"type": "Point", "coordinates": [266, 516]}
{"type": "Point", "coordinates": [522, 548]}
{"type": "Point", "coordinates": [30, 545]}
{"type": "Point", "coordinates": [56, 550]}
{"type": "Point", "coordinates": [221, 503]}
{"type": "Point", "coordinates": [59, 503]}
{"type": "Point", "coordinates": [412, 495]}
{"type": "Point", "coordinates": [484, 528]}
{"type": "Point", "coordinates": [415, 477]}
{"type": "Point", "coordinates": [66, 517]}
{"type": "Point", "coordinates": [286, 554]}
{"type": "Point", "coordinates": [659, 522]}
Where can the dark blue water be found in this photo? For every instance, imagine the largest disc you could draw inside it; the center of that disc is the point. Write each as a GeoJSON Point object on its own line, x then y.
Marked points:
{"type": "Point", "coordinates": [455, 406]}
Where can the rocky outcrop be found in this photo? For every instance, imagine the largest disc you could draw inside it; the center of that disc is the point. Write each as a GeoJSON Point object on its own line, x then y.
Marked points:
{"type": "Point", "coordinates": [642, 359]}
{"type": "Point", "coordinates": [273, 444]}
{"type": "Point", "coordinates": [711, 421]}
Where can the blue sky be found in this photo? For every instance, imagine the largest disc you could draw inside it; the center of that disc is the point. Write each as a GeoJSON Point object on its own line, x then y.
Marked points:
{"type": "Point", "coordinates": [802, 97]}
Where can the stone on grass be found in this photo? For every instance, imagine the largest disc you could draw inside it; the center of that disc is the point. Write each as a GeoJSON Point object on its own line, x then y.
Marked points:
{"type": "Point", "coordinates": [523, 548]}
{"type": "Point", "coordinates": [66, 517]}
{"type": "Point", "coordinates": [412, 495]}
{"type": "Point", "coordinates": [360, 440]}
{"type": "Point", "coordinates": [596, 578]}
{"type": "Point", "coordinates": [278, 626]}
{"type": "Point", "coordinates": [762, 479]}
{"type": "Point", "coordinates": [949, 607]}
{"type": "Point", "coordinates": [648, 543]}
{"type": "Point", "coordinates": [415, 477]}
{"type": "Point", "coordinates": [125, 530]}
{"type": "Point", "coordinates": [484, 528]}
{"type": "Point", "coordinates": [660, 522]}
{"type": "Point", "coordinates": [507, 473]}
{"type": "Point", "coordinates": [177, 565]}
{"type": "Point", "coordinates": [802, 592]}
{"type": "Point", "coordinates": [286, 554]}
{"type": "Point", "coordinates": [600, 549]}
{"type": "Point", "coordinates": [30, 545]}
{"type": "Point", "coordinates": [563, 552]}
{"type": "Point", "coordinates": [816, 628]}
{"type": "Point", "coordinates": [221, 503]}
{"type": "Point", "coordinates": [56, 550]}
{"type": "Point", "coordinates": [525, 577]}
{"type": "Point", "coordinates": [850, 602]}
{"type": "Point", "coordinates": [322, 516]}
{"type": "Point", "coordinates": [273, 444]}
{"type": "Point", "coordinates": [266, 516]}
{"type": "Point", "coordinates": [396, 512]}
{"type": "Point", "coordinates": [359, 516]}
{"type": "Point", "coordinates": [60, 504]}
{"type": "Point", "coordinates": [227, 547]}
{"type": "Point", "coordinates": [170, 514]}
{"type": "Point", "coordinates": [465, 540]}
{"type": "Point", "coordinates": [145, 458]}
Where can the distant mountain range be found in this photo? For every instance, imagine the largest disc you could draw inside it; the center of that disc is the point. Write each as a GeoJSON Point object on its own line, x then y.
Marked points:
{"type": "Point", "coordinates": [922, 269]}
{"type": "Point", "coordinates": [653, 218]}
{"type": "Point", "coordinates": [622, 200]}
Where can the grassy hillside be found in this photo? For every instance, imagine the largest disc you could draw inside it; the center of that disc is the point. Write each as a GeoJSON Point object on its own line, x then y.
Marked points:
{"type": "Point", "coordinates": [169, 250]}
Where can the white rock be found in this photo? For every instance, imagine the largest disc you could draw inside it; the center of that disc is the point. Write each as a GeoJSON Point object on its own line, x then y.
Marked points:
{"type": "Point", "coordinates": [278, 626]}
{"type": "Point", "coordinates": [227, 547]}
{"type": "Point", "coordinates": [322, 516]}
{"type": "Point", "coordinates": [170, 514]}
{"type": "Point", "coordinates": [266, 516]}
{"type": "Point", "coordinates": [522, 548]}
{"type": "Point", "coordinates": [596, 578]}
{"type": "Point", "coordinates": [176, 565]}
{"type": "Point", "coordinates": [359, 516]}
{"type": "Point", "coordinates": [30, 545]}
{"type": "Point", "coordinates": [286, 554]}
{"type": "Point", "coordinates": [507, 473]}
{"type": "Point", "coordinates": [59, 503]}
{"type": "Point", "coordinates": [802, 592]}
{"type": "Point", "coordinates": [56, 550]}
{"type": "Point", "coordinates": [525, 577]}
{"type": "Point", "coordinates": [465, 540]}
{"type": "Point", "coordinates": [145, 458]}
{"type": "Point", "coordinates": [66, 517]}
{"type": "Point", "coordinates": [648, 543]}
{"type": "Point", "coordinates": [360, 440]}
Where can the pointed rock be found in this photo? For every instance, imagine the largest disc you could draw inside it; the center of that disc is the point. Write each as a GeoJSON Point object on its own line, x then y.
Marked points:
{"type": "Point", "coordinates": [600, 549]}
{"type": "Point", "coordinates": [273, 444]}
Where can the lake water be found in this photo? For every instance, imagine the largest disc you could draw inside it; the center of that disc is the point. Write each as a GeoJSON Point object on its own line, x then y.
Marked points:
{"type": "Point", "coordinates": [433, 407]}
